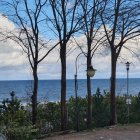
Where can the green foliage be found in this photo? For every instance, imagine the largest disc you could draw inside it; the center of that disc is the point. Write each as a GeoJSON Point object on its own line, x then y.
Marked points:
{"type": "Point", "coordinates": [77, 113]}
{"type": "Point", "coordinates": [16, 132]}
{"type": "Point", "coordinates": [121, 108]}
{"type": "Point", "coordinates": [12, 111]}
{"type": "Point", "coordinates": [14, 121]}
{"type": "Point", "coordinates": [53, 115]}
{"type": "Point", "coordinates": [135, 109]}
{"type": "Point", "coordinates": [49, 117]}
{"type": "Point", "coordinates": [101, 109]}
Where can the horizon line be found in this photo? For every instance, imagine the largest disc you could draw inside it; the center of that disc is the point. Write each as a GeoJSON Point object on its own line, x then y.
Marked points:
{"type": "Point", "coordinates": [66, 79]}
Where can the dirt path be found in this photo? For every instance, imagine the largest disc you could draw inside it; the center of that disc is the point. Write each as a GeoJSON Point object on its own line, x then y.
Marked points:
{"type": "Point", "coordinates": [131, 132]}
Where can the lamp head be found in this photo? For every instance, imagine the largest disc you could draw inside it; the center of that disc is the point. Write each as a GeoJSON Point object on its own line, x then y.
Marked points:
{"type": "Point", "coordinates": [91, 71]}
{"type": "Point", "coordinates": [127, 65]}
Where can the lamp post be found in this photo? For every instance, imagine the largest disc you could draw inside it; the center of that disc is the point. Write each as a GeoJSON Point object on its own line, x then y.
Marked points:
{"type": "Point", "coordinates": [76, 94]}
{"type": "Point", "coordinates": [90, 73]}
{"type": "Point", "coordinates": [128, 101]}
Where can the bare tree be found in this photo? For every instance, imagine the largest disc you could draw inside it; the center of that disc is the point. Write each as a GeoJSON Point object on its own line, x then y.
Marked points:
{"type": "Point", "coordinates": [94, 38]}
{"type": "Point", "coordinates": [121, 23]}
{"type": "Point", "coordinates": [28, 33]}
{"type": "Point", "coordinates": [65, 23]}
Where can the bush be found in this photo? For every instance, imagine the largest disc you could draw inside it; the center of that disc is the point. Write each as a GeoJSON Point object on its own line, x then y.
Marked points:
{"type": "Point", "coordinates": [77, 113]}
{"type": "Point", "coordinates": [135, 109]}
{"type": "Point", "coordinates": [121, 108]}
{"type": "Point", "coordinates": [16, 132]}
{"type": "Point", "coordinates": [14, 120]}
{"type": "Point", "coordinates": [16, 123]}
{"type": "Point", "coordinates": [101, 109]}
{"type": "Point", "coordinates": [49, 117]}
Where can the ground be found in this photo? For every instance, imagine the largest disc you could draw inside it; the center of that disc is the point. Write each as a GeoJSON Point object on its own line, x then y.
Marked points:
{"type": "Point", "coordinates": [119, 132]}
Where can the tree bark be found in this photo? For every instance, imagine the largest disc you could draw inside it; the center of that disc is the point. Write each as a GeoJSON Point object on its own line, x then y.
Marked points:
{"type": "Point", "coordinates": [89, 115]}
{"type": "Point", "coordinates": [112, 89]}
{"type": "Point", "coordinates": [34, 96]}
{"type": "Point", "coordinates": [63, 88]}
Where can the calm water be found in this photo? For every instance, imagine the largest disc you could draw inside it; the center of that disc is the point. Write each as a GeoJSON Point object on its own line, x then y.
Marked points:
{"type": "Point", "coordinates": [50, 89]}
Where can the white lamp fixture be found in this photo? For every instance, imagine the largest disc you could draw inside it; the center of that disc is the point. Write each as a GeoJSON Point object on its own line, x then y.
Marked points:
{"type": "Point", "coordinates": [91, 71]}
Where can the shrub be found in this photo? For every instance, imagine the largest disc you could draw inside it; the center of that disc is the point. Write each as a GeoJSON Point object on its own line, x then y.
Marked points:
{"type": "Point", "coordinates": [135, 109]}
{"type": "Point", "coordinates": [14, 122]}
{"type": "Point", "coordinates": [79, 113]}
{"type": "Point", "coordinates": [101, 109]}
{"type": "Point", "coordinates": [16, 132]}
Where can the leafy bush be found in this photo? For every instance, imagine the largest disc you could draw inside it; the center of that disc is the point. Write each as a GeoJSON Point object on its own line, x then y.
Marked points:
{"type": "Point", "coordinates": [16, 132]}
{"type": "Point", "coordinates": [77, 114]}
{"type": "Point", "coordinates": [49, 117]}
{"type": "Point", "coordinates": [135, 109]}
{"type": "Point", "coordinates": [101, 109]}
{"type": "Point", "coordinates": [14, 122]}
{"type": "Point", "coordinates": [121, 108]}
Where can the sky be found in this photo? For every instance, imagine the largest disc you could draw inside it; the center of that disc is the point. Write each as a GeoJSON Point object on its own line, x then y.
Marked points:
{"type": "Point", "coordinates": [14, 63]}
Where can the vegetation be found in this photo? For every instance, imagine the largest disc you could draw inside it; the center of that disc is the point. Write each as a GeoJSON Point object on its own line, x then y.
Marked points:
{"type": "Point", "coordinates": [14, 120]}
{"type": "Point", "coordinates": [16, 123]}
{"type": "Point", "coordinates": [40, 26]}
{"type": "Point", "coordinates": [92, 23]}
{"type": "Point", "coordinates": [29, 36]}
{"type": "Point", "coordinates": [123, 23]}
{"type": "Point", "coordinates": [64, 29]}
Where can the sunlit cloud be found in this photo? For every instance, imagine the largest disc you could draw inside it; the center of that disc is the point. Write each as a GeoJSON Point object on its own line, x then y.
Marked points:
{"type": "Point", "coordinates": [14, 63]}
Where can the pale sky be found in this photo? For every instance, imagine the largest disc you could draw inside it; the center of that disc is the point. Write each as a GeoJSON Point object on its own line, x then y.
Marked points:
{"type": "Point", "coordinates": [14, 64]}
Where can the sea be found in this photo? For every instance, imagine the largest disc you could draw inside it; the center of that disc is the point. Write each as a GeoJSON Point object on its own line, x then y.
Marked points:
{"type": "Point", "coordinates": [50, 90]}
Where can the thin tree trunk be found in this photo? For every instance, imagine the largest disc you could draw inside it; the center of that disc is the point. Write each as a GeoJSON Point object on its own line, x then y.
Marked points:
{"type": "Point", "coordinates": [112, 90]}
{"type": "Point", "coordinates": [89, 117]}
{"type": "Point", "coordinates": [63, 88]}
{"type": "Point", "coordinates": [34, 96]}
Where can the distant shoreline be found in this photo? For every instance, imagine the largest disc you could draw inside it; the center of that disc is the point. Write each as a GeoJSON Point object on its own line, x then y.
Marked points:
{"type": "Point", "coordinates": [67, 79]}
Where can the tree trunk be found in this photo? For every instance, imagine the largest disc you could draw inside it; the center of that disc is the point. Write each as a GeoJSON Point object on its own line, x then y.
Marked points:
{"type": "Point", "coordinates": [89, 116]}
{"type": "Point", "coordinates": [34, 96]}
{"type": "Point", "coordinates": [63, 88]}
{"type": "Point", "coordinates": [112, 89]}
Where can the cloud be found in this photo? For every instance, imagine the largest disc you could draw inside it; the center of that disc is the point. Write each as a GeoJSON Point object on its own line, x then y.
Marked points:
{"type": "Point", "coordinates": [5, 23]}
{"type": "Point", "coordinates": [14, 63]}
{"type": "Point", "coordinates": [12, 59]}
